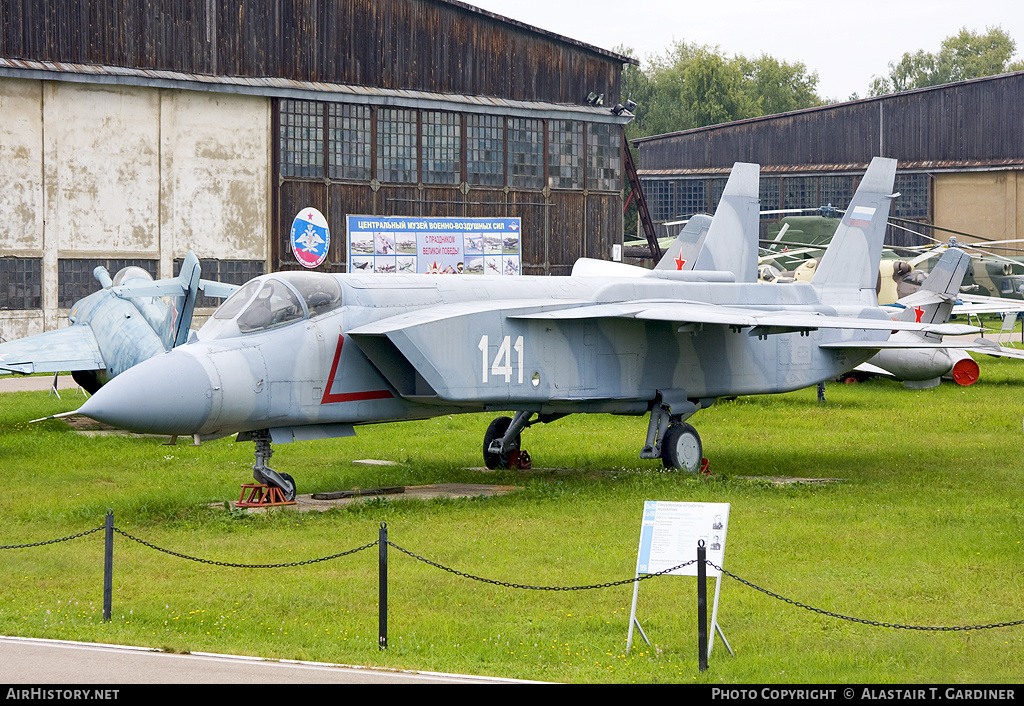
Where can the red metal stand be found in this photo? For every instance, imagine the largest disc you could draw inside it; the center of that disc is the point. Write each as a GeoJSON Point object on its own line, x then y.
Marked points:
{"type": "Point", "coordinates": [262, 496]}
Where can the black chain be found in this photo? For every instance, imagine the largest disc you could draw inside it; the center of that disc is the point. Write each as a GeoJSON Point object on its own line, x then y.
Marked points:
{"type": "Point", "coordinates": [863, 621]}
{"type": "Point", "coordinates": [537, 588]}
{"type": "Point", "coordinates": [244, 566]}
{"type": "Point", "coordinates": [53, 541]}
{"type": "Point", "coordinates": [772, 594]}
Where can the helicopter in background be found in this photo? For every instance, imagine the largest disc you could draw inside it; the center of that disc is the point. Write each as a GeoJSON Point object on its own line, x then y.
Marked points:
{"type": "Point", "coordinates": [794, 244]}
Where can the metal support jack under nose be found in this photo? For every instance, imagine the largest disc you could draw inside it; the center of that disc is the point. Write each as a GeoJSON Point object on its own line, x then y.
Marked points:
{"type": "Point", "coordinates": [262, 473]}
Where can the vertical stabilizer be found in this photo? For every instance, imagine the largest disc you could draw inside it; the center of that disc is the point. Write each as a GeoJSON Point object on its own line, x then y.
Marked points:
{"type": "Point", "coordinates": [682, 253]}
{"type": "Point", "coordinates": [852, 257]}
{"type": "Point", "coordinates": [731, 242]}
{"type": "Point", "coordinates": [933, 302]}
{"type": "Point", "coordinates": [186, 303]}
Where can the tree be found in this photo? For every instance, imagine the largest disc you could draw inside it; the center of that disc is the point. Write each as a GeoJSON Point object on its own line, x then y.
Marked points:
{"type": "Point", "coordinates": [692, 85]}
{"type": "Point", "coordinates": [961, 57]}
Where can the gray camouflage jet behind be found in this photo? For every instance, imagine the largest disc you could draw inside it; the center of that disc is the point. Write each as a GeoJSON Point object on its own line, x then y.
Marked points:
{"type": "Point", "coordinates": [115, 328]}
{"type": "Point", "coordinates": [936, 299]}
{"type": "Point", "coordinates": [303, 355]}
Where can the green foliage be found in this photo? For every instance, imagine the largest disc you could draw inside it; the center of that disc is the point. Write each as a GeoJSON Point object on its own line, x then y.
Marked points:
{"type": "Point", "coordinates": [922, 525]}
{"type": "Point", "coordinates": [962, 56]}
{"type": "Point", "coordinates": [692, 85]}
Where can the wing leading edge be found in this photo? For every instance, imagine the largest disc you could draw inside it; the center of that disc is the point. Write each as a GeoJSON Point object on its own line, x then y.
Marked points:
{"type": "Point", "coordinates": [70, 348]}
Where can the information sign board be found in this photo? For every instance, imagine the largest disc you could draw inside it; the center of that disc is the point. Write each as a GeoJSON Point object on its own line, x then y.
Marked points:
{"type": "Point", "coordinates": [406, 244]}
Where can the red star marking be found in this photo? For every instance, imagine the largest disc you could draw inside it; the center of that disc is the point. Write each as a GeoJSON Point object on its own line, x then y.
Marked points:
{"type": "Point", "coordinates": [310, 216]}
{"type": "Point", "coordinates": [680, 262]}
{"type": "Point", "coordinates": [918, 312]}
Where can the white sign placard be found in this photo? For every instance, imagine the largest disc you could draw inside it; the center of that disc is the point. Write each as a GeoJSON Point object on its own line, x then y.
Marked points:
{"type": "Point", "coordinates": [408, 244]}
{"type": "Point", "coordinates": [670, 532]}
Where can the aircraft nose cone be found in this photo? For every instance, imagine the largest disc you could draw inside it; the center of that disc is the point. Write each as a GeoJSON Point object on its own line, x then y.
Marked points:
{"type": "Point", "coordinates": [169, 394]}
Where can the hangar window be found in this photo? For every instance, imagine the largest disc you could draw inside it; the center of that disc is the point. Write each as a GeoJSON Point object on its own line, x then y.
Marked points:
{"type": "Point", "coordinates": [397, 145]}
{"type": "Point", "coordinates": [914, 199]}
{"type": "Point", "coordinates": [21, 281]}
{"type": "Point", "coordinates": [836, 190]}
{"type": "Point", "coordinates": [75, 279]}
{"type": "Point", "coordinates": [302, 139]}
{"type": "Point", "coordinates": [800, 192]}
{"type": "Point", "coordinates": [717, 188]}
{"type": "Point", "coordinates": [565, 154]}
{"type": "Point", "coordinates": [485, 150]}
{"type": "Point", "coordinates": [348, 144]}
{"type": "Point", "coordinates": [526, 153]}
{"type": "Point", "coordinates": [441, 136]}
{"type": "Point", "coordinates": [769, 194]}
{"type": "Point", "coordinates": [661, 198]}
{"type": "Point", "coordinates": [691, 198]}
{"type": "Point", "coordinates": [604, 157]}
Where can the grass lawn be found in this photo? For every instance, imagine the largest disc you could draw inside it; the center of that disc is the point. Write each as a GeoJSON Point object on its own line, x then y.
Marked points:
{"type": "Point", "coordinates": [924, 529]}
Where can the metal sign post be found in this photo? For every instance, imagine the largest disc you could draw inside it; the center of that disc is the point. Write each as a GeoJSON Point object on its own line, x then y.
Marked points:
{"type": "Point", "coordinates": [669, 536]}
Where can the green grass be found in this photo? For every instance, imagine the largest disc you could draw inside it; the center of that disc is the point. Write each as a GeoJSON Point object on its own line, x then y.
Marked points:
{"type": "Point", "coordinates": [924, 529]}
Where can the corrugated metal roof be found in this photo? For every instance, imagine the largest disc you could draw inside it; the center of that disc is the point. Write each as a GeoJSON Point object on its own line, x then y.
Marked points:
{"type": "Point", "coordinates": [821, 108]}
{"type": "Point", "coordinates": [305, 90]}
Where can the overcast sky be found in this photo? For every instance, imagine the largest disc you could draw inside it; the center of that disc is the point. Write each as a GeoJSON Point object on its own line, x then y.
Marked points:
{"type": "Point", "coordinates": [846, 43]}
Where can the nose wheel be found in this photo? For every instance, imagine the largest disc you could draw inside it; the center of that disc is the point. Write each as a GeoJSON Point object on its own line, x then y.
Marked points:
{"type": "Point", "coordinates": [264, 474]}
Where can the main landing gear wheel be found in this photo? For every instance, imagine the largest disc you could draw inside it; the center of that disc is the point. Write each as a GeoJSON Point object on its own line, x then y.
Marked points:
{"type": "Point", "coordinates": [496, 430]}
{"type": "Point", "coordinates": [681, 448]}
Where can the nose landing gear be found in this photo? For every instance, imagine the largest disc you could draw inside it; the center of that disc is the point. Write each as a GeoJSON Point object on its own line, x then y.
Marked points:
{"type": "Point", "coordinates": [266, 475]}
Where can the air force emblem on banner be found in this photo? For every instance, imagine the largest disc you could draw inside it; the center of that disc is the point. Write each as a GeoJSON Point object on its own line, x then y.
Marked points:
{"type": "Point", "coordinates": [310, 237]}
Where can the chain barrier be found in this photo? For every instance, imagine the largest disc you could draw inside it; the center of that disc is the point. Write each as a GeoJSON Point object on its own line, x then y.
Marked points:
{"type": "Point", "coordinates": [864, 621]}
{"type": "Point", "coordinates": [243, 566]}
{"type": "Point", "coordinates": [53, 541]}
{"type": "Point", "coordinates": [507, 584]}
{"type": "Point", "coordinates": [538, 588]}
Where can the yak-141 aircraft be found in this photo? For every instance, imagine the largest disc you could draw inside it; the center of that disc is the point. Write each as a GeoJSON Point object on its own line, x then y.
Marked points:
{"type": "Point", "coordinates": [303, 355]}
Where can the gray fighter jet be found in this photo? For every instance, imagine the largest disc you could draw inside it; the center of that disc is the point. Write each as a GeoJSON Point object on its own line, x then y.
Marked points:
{"type": "Point", "coordinates": [938, 297]}
{"type": "Point", "coordinates": [115, 328]}
{"type": "Point", "coordinates": [302, 355]}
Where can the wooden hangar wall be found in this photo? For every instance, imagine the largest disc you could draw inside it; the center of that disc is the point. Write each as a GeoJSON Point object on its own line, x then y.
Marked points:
{"type": "Point", "coordinates": [961, 158]}
{"type": "Point", "coordinates": [139, 131]}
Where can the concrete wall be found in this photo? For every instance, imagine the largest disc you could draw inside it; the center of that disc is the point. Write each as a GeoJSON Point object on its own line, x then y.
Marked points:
{"type": "Point", "coordinates": [982, 203]}
{"type": "Point", "coordinates": [95, 171]}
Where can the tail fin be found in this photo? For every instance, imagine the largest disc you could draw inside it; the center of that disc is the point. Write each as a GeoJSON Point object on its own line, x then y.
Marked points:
{"type": "Point", "coordinates": [933, 302]}
{"type": "Point", "coordinates": [731, 242]}
{"type": "Point", "coordinates": [852, 257]}
{"type": "Point", "coordinates": [182, 291]}
{"type": "Point", "coordinates": [185, 303]}
{"type": "Point", "coordinates": [682, 253]}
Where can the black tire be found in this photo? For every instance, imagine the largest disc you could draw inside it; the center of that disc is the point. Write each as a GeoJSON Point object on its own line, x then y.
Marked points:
{"type": "Point", "coordinates": [681, 448]}
{"type": "Point", "coordinates": [289, 495]}
{"type": "Point", "coordinates": [496, 430]}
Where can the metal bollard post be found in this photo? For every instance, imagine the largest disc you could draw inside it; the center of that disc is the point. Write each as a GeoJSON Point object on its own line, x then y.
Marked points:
{"type": "Point", "coordinates": [382, 611]}
{"type": "Point", "coordinates": [702, 606]}
{"type": "Point", "coordinates": [108, 564]}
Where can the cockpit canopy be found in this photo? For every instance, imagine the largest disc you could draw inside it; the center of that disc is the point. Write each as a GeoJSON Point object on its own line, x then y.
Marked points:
{"type": "Point", "coordinates": [274, 300]}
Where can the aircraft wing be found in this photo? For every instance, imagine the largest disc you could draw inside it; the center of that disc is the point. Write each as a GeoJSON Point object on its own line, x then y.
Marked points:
{"type": "Point", "coordinates": [989, 347]}
{"type": "Point", "coordinates": [976, 304]}
{"type": "Point", "coordinates": [70, 348]}
{"type": "Point", "coordinates": [684, 312]}
{"type": "Point", "coordinates": [173, 287]}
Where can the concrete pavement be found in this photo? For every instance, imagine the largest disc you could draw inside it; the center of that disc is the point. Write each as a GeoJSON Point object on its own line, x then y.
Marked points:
{"type": "Point", "coordinates": [37, 661]}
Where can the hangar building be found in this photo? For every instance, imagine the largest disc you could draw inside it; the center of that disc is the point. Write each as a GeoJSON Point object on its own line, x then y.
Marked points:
{"type": "Point", "coordinates": [131, 133]}
{"type": "Point", "coordinates": [959, 148]}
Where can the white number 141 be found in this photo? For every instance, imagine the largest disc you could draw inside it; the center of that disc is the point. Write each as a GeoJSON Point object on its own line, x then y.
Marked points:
{"type": "Point", "coordinates": [502, 363]}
